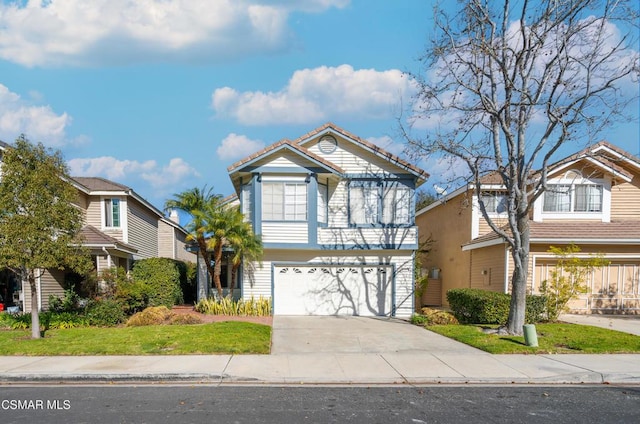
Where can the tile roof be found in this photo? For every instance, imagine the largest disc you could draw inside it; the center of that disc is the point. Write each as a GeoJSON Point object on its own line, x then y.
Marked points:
{"type": "Point", "coordinates": [621, 231]}
{"type": "Point", "coordinates": [100, 184]}
{"type": "Point", "coordinates": [377, 149]}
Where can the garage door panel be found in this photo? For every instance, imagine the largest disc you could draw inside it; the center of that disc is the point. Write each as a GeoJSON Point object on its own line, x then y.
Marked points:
{"type": "Point", "coordinates": [332, 290]}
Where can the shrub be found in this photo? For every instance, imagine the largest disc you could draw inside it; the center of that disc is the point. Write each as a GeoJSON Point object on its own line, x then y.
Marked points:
{"type": "Point", "coordinates": [476, 306]}
{"type": "Point", "coordinates": [161, 279]}
{"type": "Point", "coordinates": [154, 315]}
{"type": "Point", "coordinates": [418, 319]}
{"type": "Point", "coordinates": [182, 319]}
{"type": "Point", "coordinates": [438, 317]}
{"type": "Point", "coordinates": [71, 302]}
{"type": "Point", "coordinates": [252, 307]}
{"type": "Point", "coordinates": [105, 313]}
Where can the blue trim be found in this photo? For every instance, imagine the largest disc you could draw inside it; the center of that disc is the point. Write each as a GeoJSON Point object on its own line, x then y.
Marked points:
{"type": "Point", "coordinates": [308, 246]}
{"type": "Point", "coordinates": [287, 169]}
{"type": "Point", "coordinates": [256, 199]}
{"type": "Point", "coordinates": [312, 209]}
{"type": "Point", "coordinates": [405, 179]}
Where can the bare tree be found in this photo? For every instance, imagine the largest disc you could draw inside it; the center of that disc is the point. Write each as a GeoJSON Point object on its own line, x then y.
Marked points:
{"type": "Point", "coordinates": [506, 84]}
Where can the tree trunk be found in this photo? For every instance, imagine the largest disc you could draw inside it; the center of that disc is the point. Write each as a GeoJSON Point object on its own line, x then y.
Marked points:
{"type": "Point", "coordinates": [217, 268]}
{"type": "Point", "coordinates": [232, 285]}
{"type": "Point", "coordinates": [35, 317]}
{"type": "Point", "coordinates": [520, 256]}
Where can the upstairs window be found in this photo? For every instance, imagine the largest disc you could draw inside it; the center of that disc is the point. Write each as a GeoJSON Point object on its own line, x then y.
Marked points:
{"type": "Point", "coordinates": [573, 198]}
{"type": "Point", "coordinates": [284, 201]}
{"type": "Point", "coordinates": [495, 201]}
{"type": "Point", "coordinates": [371, 203]}
{"type": "Point", "coordinates": [112, 213]}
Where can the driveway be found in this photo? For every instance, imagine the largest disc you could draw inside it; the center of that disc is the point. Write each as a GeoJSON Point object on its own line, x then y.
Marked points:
{"type": "Point", "coordinates": [349, 334]}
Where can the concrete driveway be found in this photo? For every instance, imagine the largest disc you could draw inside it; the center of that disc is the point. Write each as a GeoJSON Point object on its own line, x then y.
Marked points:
{"type": "Point", "coordinates": [349, 334]}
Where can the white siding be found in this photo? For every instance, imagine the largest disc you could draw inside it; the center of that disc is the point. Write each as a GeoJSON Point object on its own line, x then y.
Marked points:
{"type": "Point", "coordinates": [365, 237]}
{"type": "Point", "coordinates": [285, 232]}
{"type": "Point", "coordinates": [338, 213]}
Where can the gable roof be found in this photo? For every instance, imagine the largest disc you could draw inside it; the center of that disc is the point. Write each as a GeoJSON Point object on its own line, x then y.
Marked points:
{"type": "Point", "coordinates": [100, 184]}
{"type": "Point", "coordinates": [286, 145]}
{"type": "Point", "coordinates": [330, 127]}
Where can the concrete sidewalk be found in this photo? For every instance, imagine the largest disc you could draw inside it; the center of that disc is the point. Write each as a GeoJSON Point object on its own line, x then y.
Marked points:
{"type": "Point", "coordinates": [322, 368]}
{"type": "Point", "coordinates": [343, 350]}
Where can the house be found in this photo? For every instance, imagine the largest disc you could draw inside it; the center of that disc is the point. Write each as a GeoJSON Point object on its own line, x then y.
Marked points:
{"type": "Point", "coordinates": [336, 217]}
{"type": "Point", "coordinates": [593, 201]}
{"type": "Point", "coordinates": [119, 227]}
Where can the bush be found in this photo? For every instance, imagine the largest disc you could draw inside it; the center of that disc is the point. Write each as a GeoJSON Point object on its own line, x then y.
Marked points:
{"type": "Point", "coordinates": [71, 302]}
{"type": "Point", "coordinates": [154, 315]}
{"type": "Point", "coordinates": [438, 317]}
{"type": "Point", "coordinates": [105, 313]}
{"type": "Point", "coordinates": [161, 279]}
{"type": "Point", "coordinates": [182, 319]}
{"type": "Point", "coordinates": [475, 306]}
{"type": "Point", "coordinates": [227, 306]}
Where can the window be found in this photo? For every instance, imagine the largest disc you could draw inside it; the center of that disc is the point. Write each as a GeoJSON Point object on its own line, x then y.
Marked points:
{"type": "Point", "coordinates": [112, 212]}
{"type": "Point", "coordinates": [370, 203]}
{"type": "Point", "coordinates": [396, 204]}
{"type": "Point", "coordinates": [246, 202]}
{"type": "Point", "coordinates": [363, 205]}
{"type": "Point", "coordinates": [573, 198]}
{"type": "Point", "coordinates": [323, 196]}
{"type": "Point", "coordinates": [284, 201]}
{"type": "Point", "coordinates": [494, 201]}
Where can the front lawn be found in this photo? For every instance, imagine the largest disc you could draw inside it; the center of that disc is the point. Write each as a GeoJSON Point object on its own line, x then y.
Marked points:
{"type": "Point", "coordinates": [231, 337]}
{"type": "Point", "coordinates": [552, 338]}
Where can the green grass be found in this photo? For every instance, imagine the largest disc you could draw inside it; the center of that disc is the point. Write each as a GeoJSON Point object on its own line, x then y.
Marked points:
{"type": "Point", "coordinates": [552, 338]}
{"type": "Point", "coordinates": [232, 337]}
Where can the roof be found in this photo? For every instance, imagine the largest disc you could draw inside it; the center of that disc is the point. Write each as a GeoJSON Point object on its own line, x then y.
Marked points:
{"type": "Point", "coordinates": [92, 237]}
{"type": "Point", "coordinates": [3, 145]}
{"type": "Point", "coordinates": [592, 232]}
{"type": "Point", "coordinates": [100, 184]}
{"type": "Point", "coordinates": [286, 144]}
{"type": "Point", "coordinates": [368, 145]}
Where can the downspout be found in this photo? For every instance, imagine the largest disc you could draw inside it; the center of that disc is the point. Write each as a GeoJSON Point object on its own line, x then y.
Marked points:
{"type": "Point", "coordinates": [106, 252]}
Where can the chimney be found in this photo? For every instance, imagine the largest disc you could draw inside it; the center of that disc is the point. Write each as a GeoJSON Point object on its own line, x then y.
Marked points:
{"type": "Point", "coordinates": [173, 216]}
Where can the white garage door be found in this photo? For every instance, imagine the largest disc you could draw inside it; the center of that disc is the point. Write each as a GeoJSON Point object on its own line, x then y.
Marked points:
{"type": "Point", "coordinates": [332, 290]}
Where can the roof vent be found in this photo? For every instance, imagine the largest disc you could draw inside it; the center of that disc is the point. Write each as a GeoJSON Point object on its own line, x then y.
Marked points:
{"type": "Point", "coordinates": [327, 144]}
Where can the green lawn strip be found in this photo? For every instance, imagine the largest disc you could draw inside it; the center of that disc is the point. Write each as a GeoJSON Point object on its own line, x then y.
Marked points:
{"type": "Point", "coordinates": [552, 338]}
{"type": "Point", "coordinates": [232, 337]}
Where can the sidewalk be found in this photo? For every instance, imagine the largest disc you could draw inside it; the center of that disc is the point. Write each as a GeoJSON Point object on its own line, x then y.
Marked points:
{"type": "Point", "coordinates": [314, 352]}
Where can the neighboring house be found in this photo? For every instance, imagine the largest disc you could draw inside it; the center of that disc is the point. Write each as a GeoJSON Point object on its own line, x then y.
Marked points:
{"type": "Point", "coordinates": [336, 217]}
{"type": "Point", "coordinates": [119, 227]}
{"type": "Point", "coordinates": [593, 201]}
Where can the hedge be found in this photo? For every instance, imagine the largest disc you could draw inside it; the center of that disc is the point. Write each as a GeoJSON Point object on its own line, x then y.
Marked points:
{"type": "Point", "coordinates": [476, 306]}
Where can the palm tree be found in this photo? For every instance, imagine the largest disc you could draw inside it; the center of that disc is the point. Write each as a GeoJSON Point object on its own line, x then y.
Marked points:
{"type": "Point", "coordinates": [246, 245]}
{"type": "Point", "coordinates": [193, 202]}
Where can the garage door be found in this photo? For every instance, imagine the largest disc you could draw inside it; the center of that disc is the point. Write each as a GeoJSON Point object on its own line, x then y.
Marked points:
{"type": "Point", "coordinates": [332, 290]}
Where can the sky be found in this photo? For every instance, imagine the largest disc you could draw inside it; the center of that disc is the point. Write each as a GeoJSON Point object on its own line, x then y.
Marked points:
{"type": "Point", "coordinates": [164, 95]}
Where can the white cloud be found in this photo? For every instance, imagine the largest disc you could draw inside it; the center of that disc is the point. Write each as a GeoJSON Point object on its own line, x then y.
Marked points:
{"type": "Point", "coordinates": [174, 173]}
{"type": "Point", "coordinates": [236, 146]}
{"type": "Point", "coordinates": [109, 167]}
{"type": "Point", "coordinates": [388, 144]}
{"type": "Point", "coordinates": [80, 32]}
{"type": "Point", "coordinates": [39, 123]}
{"type": "Point", "coordinates": [319, 94]}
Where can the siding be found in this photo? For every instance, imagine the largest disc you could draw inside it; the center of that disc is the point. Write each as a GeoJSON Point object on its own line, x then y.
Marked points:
{"type": "Point", "coordinates": [365, 237]}
{"type": "Point", "coordinates": [487, 268]}
{"type": "Point", "coordinates": [142, 229]}
{"type": "Point", "coordinates": [338, 213]}
{"type": "Point", "coordinates": [94, 212]}
{"type": "Point", "coordinates": [51, 283]}
{"type": "Point", "coordinates": [625, 201]}
{"type": "Point", "coordinates": [285, 232]}
{"type": "Point", "coordinates": [166, 242]}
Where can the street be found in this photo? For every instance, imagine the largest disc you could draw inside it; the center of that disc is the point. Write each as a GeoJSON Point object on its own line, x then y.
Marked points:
{"type": "Point", "coordinates": [167, 403]}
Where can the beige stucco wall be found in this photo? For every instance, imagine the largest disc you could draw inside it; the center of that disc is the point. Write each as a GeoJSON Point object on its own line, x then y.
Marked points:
{"type": "Point", "coordinates": [449, 226]}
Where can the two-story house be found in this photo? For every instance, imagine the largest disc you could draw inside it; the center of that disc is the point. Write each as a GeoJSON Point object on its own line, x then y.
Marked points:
{"type": "Point", "coordinates": [119, 227]}
{"type": "Point", "coordinates": [336, 217]}
{"type": "Point", "coordinates": [592, 201]}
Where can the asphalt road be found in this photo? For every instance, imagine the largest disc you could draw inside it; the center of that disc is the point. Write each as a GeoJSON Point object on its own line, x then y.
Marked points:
{"type": "Point", "coordinates": [433, 404]}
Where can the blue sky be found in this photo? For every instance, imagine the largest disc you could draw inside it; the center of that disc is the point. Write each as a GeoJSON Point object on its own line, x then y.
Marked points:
{"type": "Point", "coordinates": [164, 95]}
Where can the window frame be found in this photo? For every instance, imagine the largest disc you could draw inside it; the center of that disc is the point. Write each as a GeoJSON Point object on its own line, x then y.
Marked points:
{"type": "Point", "coordinates": [380, 189]}
{"type": "Point", "coordinates": [108, 209]}
{"type": "Point", "coordinates": [284, 208]}
{"type": "Point", "coordinates": [570, 191]}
